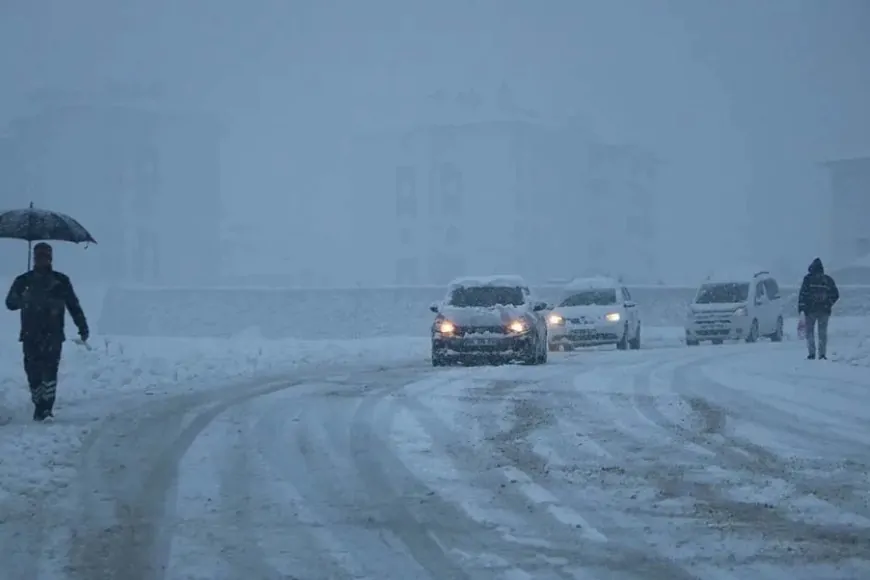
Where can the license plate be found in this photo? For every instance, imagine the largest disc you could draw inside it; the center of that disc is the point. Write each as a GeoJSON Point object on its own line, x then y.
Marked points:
{"type": "Point", "coordinates": [582, 333]}
{"type": "Point", "coordinates": [482, 341]}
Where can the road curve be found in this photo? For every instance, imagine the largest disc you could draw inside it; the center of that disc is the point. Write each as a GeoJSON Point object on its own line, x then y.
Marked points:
{"type": "Point", "coordinates": [671, 464]}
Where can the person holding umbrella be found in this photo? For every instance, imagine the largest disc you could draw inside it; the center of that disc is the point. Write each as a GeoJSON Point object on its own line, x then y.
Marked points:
{"type": "Point", "coordinates": [43, 296]}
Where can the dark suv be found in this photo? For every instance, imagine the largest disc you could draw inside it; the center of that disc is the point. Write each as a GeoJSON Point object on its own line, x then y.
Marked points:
{"type": "Point", "coordinates": [492, 320]}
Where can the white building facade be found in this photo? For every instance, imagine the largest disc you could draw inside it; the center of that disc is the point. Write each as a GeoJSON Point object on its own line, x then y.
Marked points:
{"type": "Point", "coordinates": [508, 197]}
{"type": "Point", "coordinates": [850, 204]}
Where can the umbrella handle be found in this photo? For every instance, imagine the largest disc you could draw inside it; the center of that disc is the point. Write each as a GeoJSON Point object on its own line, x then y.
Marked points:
{"type": "Point", "coordinates": [29, 242]}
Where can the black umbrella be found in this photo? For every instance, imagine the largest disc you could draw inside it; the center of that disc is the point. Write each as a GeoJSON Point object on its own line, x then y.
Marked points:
{"type": "Point", "coordinates": [34, 224]}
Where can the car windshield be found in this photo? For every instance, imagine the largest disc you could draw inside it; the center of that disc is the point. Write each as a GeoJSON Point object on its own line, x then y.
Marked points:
{"type": "Point", "coordinates": [727, 293]}
{"type": "Point", "coordinates": [486, 296]}
{"type": "Point", "coordinates": [601, 297]}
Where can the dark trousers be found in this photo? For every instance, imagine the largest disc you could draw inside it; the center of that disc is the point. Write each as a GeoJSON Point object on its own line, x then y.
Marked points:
{"type": "Point", "coordinates": [821, 319]}
{"type": "Point", "coordinates": [41, 362]}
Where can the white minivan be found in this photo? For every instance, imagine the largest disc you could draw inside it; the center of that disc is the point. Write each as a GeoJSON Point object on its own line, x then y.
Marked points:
{"type": "Point", "coordinates": [736, 310]}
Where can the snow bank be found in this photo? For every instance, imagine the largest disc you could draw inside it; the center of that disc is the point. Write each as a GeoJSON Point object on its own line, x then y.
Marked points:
{"type": "Point", "coordinates": [120, 371]}
{"type": "Point", "coordinates": [118, 364]}
{"type": "Point", "coordinates": [342, 313]}
{"type": "Point", "coordinates": [595, 283]}
{"type": "Point", "coordinates": [318, 313]}
{"type": "Point", "coordinates": [849, 340]}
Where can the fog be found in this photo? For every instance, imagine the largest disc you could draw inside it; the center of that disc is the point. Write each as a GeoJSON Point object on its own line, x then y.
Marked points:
{"type": "Point", "coordinates": [735, 102]}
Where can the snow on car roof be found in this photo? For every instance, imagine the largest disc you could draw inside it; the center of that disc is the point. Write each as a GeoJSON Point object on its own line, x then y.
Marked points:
{"type": "Point", "coordinates": [498, 281]}
{"type": "Point", "coordinates": [735, 278]}
{"type": "Point", "coordinates": [734, 273]}
{"type": "Point", "coordinates": [596, 283]}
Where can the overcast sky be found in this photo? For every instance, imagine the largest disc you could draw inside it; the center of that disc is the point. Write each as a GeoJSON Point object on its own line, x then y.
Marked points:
{"type": "Point", "coordinates": [740, 97]}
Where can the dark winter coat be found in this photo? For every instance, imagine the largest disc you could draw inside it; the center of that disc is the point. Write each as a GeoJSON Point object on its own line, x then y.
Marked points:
{"type": "Point", "coordinates": [43, 297]}
{"type": "Point", "coordinates": [818, 292]}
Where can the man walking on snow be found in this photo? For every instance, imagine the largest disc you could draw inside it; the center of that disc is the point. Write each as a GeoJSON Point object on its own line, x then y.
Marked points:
{"type": "Point", "coordinates": [817, 297]}
{"type": "Point", "coordinates": [43, 296]}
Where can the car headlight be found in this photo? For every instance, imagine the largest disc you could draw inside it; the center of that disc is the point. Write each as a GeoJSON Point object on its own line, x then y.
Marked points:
{"type": "Point", "coordinates": [741, 311]}
{"type": "Point", "coordinates": [555, 319]}
{"type": "Point", "coordinates": [613, 317]}
{"type": "Point", "coordinates": [446, 327]}
{"type": "Point", "coordinates": [518, 326]}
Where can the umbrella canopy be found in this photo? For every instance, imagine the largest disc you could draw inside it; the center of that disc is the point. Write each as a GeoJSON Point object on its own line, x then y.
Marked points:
{"type": "Point", "coordinates": [34, 224]}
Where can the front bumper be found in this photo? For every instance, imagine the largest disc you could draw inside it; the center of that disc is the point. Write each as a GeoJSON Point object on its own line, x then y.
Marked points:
{"type": "Point", "coordinates": [489, 347]}
{"type": "Point", "coordinates": [596, 334]}
{"type": "Point", "coordinates": [736, 328]}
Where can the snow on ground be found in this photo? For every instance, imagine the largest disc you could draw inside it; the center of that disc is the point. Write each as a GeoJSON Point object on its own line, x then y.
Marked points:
{"type": "Point", "coordinates": [849, 339]}
{"type": "Point", "coordinates": [121, 370]}
{"type": "Point", "coordinates": [36, 460]}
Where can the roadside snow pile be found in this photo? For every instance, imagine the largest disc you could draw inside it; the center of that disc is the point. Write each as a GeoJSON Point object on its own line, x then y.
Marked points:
{"type": "Point", "coordinates": [144, 364]}
{"type": "Point", "coordinates": [35, 459]}
{"type": "Point", "coordinates": [848, 338]}
{"type": "Point", "coordinates": [855, 352]}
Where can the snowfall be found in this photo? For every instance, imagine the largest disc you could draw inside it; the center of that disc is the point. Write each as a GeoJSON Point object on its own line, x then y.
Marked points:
{"type": "Point", "coordinates": [245, 458]}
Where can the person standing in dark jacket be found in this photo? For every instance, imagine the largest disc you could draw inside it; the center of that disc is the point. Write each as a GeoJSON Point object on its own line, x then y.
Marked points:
{"type": "Point", "coordinates": [43, 296]}
{"type": "Point", "coordinates": [816, 299]}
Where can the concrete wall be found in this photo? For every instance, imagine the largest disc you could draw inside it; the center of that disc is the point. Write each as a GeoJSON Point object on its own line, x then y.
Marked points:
{"type": "Point", "coordinates": [347, 313]}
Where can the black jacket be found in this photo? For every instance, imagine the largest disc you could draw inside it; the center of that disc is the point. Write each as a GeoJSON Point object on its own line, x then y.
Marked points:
{"type": "Point", "coordinates": [818, 292]}
{"type": "Point", "coordinates": [43, 299]}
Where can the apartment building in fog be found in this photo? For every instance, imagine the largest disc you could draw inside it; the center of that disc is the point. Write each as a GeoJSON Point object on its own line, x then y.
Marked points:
{"type": "Point", "coordinates": [144, 181]}
{"type": "Point", "coordinates": [508, 196]}
{"type": "Point", "coordinates": [850, 208]}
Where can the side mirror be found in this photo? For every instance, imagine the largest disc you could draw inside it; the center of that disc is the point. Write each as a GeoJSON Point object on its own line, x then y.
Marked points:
{"type": "Point", "coordinates": [539, 306]}
{"type": "Point", "coordinates": [630, 304]}
{"type": "Point", "coordinates": [434, 307]}
{"type": "Point", "coordinates": [759, 301]}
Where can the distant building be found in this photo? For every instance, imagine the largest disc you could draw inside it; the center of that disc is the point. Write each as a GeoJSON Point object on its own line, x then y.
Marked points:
{"type": "Point", "coordinates": [511, 196]}
{"type": "Point", "coordinates": [146, 183]}
{"type": "Point", "coordinates": [850, 195]}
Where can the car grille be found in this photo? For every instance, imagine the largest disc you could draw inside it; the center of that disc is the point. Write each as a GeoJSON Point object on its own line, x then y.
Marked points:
{"type": "Point", "coordinates": [591, 335]}
{"type": "Point", "coordinates": [713, 318]}
{"type": "Point", "coordinates": [580, 320]}
{"type": "Point", "coordinates": [471, 330]}
{"type": "Point", "coordinates": [713, 332]}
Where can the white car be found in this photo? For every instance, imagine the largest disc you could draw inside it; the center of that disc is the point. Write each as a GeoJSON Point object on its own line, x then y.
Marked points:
{"type": "Point", "coordinates": [736, 310]}
{"type": "Point", "coordinates": [592, 312]}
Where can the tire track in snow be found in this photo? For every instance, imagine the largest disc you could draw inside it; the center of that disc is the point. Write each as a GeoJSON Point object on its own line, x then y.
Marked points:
{"type": "Point", "coordinates": [810, 542]}
{"type": "Point", "coordinates": [514, 534]}
{"type": "Point", "coordinates": [524, 474]}
{"type": "Point", "coordinates": [129, 471]}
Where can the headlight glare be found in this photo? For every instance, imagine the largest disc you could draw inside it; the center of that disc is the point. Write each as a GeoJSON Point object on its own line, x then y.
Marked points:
{"type": "Point", "coordinates": [446, 327]}
{"type": "Point", "coordinates": [613, 317]}
{"type": "Point", "coordinates": [517, 326]}
{"type": "Point", "coordinates": [555, 319]}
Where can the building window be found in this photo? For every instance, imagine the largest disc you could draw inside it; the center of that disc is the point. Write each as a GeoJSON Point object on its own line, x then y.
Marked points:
{"type": "Point", "coordinates": [445, 267]}
{"type": "Point", "coordinates": [406, 271]}
{"type": "Point", "coordinates": [406, 192]}
{"type": "Point", "coordinates": [451, 188]}
{"type": "Point", "coordinates": [452, 237]}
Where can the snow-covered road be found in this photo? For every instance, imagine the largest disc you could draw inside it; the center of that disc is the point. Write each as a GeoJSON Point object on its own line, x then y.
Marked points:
{"type": "Point", "coordinates": [739, 461]}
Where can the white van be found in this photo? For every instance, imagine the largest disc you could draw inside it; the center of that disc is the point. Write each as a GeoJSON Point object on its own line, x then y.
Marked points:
{"type": "Point", "coordinates": [736, 310]}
